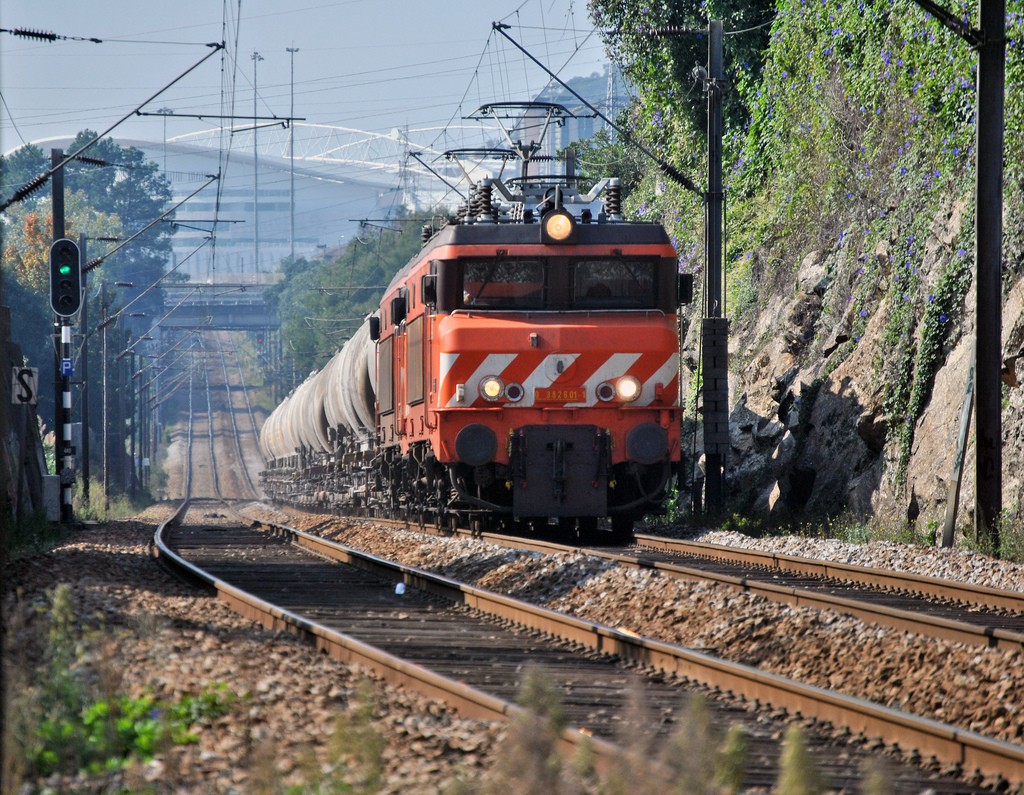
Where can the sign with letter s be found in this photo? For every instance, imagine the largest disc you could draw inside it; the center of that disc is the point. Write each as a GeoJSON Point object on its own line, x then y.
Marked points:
{"type": "Point", "coordinates": [25, 386]}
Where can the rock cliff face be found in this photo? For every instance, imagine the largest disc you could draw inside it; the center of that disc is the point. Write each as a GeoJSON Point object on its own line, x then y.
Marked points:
{"type": "Point", "coordinates": [809, 379]}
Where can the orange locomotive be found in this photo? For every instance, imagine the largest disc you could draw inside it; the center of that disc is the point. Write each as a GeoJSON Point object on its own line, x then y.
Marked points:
{"type": "Point", "coordinates": [527, 364]}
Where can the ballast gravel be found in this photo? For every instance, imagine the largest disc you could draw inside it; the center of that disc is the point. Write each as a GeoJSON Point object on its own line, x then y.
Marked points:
{"type": "Point", "coordinates": [298, 717]}
{"type": "Point", "coordinates": [295, 706]}
{"type": "Point", "coordinates": [960, 565]}
{"type": "Point", "coordinates": [967, 686]}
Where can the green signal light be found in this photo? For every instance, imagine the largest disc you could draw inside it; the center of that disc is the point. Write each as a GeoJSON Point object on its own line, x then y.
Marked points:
{"type": "Point", "coordinates": [64, 270]}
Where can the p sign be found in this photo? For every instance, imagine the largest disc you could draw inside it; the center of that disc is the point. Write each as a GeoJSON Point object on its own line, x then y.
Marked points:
{"type": "Point", "coordinates": [24, 386]}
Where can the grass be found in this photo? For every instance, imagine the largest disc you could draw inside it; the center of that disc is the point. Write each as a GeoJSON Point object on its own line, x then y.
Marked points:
{"type": "Point", "coordinates": [119, 505]}
{"type": "Point", "coordinates": [30, 535]}
{"type": "Point", "coordinates": [64, 711]}
{"type": "Point", "coordinates": [797, 772]}
{"type": "Point", "coordinates": [696, 759]}
{"type": "Point", "coordinates": [71, 719]}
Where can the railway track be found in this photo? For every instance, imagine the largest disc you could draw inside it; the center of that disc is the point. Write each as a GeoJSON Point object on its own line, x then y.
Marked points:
{"type": "Point", "coordinates": [929, 606]}
{"type": "Point", "coordinates": [250, 434]}
{"type": "Point", "coordinates": [405, 638]}
{"type": "Point", "coordinates": [215, 461]}
{"type": "Point", "coordinates": [471, 647]}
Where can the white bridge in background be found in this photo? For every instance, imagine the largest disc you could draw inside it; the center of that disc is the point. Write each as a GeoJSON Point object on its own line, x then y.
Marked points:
{"type": "Point", "coordinates": [401, 158]}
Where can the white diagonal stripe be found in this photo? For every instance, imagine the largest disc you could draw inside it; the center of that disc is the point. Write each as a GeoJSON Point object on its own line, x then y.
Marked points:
{"type": "Point", "coordinates": [493, 364]}
{"type": "Point", "coordinates": [617, 364]}
{"type": "Point", "coordinates": [664, 374]}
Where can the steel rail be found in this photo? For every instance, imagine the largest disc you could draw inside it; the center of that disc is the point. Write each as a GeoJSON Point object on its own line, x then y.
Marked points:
{"type": "Point", "coordinates": [469, 701]}
{"type": "Point", "coordinates": [212, 433]}
{"type": "Point", "coordinates": [236, 435]}
{"type": "Point", "coordinates": [878, 578]}
{"type": "Point", "coordinates": [930, 738]}
{"type": "Point", "coordinates": [248, 408]}
{"type": "Point", "coordinates": [938, 627]}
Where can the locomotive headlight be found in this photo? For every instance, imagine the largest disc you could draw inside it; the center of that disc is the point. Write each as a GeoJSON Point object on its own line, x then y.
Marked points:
{"type": "Point", "coordinates": [627, 388]}
{"type": "Point", "coordinates": [491, 388]}
{"type": "Point", "coordinates": [606, 391]}
{"type": "Point", "coordinates": [558, 226]}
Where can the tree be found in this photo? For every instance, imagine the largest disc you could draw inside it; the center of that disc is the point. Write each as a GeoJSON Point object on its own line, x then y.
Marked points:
{"type": "Point", "coordinates": [129, 187]}
{"type": "Point", "coordinates": [100, 201]}
{"type": "Point", "coordinates": [18, 168]}
{"type": "Point", "coordinates": [28, 233]}
{"type": "Point", "coordinates": [322, 303]}
{"type": "Point", "coordinates": [661, 65]}
{"type": "Point", "coordinates": [600, 156]}
{"type": "Point", "coordinates": [136, 191]}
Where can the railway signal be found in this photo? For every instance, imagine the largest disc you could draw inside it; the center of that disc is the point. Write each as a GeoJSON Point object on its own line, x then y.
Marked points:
{"type": "Point", "coordinates": [65, 277]}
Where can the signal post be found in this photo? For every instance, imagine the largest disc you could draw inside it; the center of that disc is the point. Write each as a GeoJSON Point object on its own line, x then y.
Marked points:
{"type": "Point", "coordinates": [65, 301]}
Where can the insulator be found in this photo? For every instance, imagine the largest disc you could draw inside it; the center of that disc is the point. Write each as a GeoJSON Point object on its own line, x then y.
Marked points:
{"type": "Point", "coordinates": [30, 187]}
{"type": "Point", "coordinates": [426, 232]}
{"type": "Point", "coordinates": [93, 161]}
{"type": "Point", "coordinates": [26, 33]}
{"type": "Point", "coordinates": [483, 211]}
{"type": "Point", "coordinates": [613, 199]}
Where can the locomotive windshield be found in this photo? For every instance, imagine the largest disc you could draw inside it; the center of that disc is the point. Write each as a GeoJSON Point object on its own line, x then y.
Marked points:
{"type": "Point", "coordinates": [503, 284]}
{"type": "Point", "coordinates": [618, 284]}
{"type": "Point", "coordinates": [560, 284]}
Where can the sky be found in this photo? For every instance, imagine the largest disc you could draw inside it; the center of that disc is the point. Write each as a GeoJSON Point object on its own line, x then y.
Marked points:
{"type": "Point", "coordinates": [372, 65]}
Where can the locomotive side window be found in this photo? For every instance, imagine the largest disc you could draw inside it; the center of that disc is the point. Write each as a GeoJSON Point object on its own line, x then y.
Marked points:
{"type": "Point", "coordinates": [614, 284]}
{"type": "Point", "coordinates": [385, 381]}
{"type": "Point", "coordinates": [414, 361]}
{"type": "Point", "coordinates": [503, 284]}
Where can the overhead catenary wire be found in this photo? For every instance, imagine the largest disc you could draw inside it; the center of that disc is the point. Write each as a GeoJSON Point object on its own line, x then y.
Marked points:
{"type": "Point", "coordinates": [216, 46]}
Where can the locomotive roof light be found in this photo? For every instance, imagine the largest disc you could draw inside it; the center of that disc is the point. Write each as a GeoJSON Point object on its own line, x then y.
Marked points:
{"type": "Point", "coordinates": [558, 227]}
{"type": "Point", "coordinates": [627, 388]}
{"type": "Point", "coordinates": [491, 388]}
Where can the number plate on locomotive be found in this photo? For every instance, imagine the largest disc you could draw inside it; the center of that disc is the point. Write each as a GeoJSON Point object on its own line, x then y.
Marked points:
{"type": "Point", "coordinates": [570, 394]}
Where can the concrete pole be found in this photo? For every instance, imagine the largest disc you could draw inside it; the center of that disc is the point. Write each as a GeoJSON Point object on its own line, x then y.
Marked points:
{"type": "Point", "coordinates": [715, 326]}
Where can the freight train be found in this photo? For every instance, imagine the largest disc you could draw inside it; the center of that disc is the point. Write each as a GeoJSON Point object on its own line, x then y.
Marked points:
{"type": "Point", "coordinates": [522, 371]}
